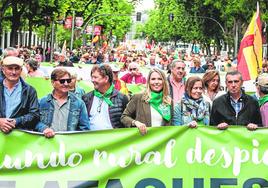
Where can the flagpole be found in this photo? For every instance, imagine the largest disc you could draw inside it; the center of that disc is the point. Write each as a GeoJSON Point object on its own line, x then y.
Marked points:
{"type": "Point", "coordinates": [254, 50]}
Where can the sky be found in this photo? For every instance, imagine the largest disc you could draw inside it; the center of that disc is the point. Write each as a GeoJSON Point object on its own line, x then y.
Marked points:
{"type": "Point", "coordinates": [146, 5]}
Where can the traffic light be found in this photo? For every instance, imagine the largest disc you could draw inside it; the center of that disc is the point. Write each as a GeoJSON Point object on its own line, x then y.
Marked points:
{"type": "Point", "coordinates": [138, 17]}
{"type": "Point", "coordinates": [171, 17]}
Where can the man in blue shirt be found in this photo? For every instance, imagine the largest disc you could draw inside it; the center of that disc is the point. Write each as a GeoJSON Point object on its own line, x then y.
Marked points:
{"type": "Point", "coordinates": [18, 100]}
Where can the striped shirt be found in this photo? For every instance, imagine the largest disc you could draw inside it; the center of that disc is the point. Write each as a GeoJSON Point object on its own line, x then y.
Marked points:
{"type": "Point", "coordinates": [237, 105]}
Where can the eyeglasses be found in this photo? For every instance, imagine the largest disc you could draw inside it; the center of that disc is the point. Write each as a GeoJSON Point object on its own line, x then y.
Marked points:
{"type": "Point", "coordinates": [62, 81]}
{"type": "Point", "coordinates": [132, 69]}
{"type": "Point", "coordinates": [99, 105]}
{"type": "Point", "coordinates": [233, 81]}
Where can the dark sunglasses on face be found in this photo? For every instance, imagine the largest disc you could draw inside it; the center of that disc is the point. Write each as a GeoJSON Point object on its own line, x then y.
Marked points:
{"type": "Point", "coordinates": [62, 81]}
{"type": "Point", "coordinates": [132, 69]}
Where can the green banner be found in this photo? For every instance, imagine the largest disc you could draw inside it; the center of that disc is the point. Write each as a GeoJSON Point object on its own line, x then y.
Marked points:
{"type": "Point", "coordinates": [166, 157]}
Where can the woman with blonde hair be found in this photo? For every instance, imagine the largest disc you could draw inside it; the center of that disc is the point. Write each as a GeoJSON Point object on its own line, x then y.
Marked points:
{"type": "Point", "coordinates": [151, 108]}
{"type": "Point", "coordinates": [211, 80]}
{"type": "Point", "coordinates": [193, 108]}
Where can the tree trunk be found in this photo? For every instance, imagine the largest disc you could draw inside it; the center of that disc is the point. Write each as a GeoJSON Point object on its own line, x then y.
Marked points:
{"type": "Point", "coordinates": [15, 25]}
{"type": "Point", "coordinates": [218, 46]}
{"type": "Point", "coordinates": [30, 32]}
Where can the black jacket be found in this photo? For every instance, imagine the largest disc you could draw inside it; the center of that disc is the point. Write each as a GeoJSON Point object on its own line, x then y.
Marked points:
{"type": "Point", "coordinates": [120, 102]}
{"type": "Point", "coordinates": [222, 111]}
{"type": "Point", "coordinates": [27, 113]}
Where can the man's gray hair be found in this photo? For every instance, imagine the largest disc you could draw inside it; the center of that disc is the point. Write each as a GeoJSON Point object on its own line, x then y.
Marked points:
{"type": "Point", "coordinates": [174, 62]}
{"type": "Point", "coordinates": [9, 49]}
{"type": "Point", "coordinates": [232, 73]}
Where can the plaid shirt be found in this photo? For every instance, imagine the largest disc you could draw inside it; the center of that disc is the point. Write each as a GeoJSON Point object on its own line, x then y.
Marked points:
{"type": "Point", "coordinates": [237, 105]}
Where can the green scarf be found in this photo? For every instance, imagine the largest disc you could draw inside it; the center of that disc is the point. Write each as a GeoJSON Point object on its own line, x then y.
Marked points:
{"type": "Point", "coordinates": [157, 103]}
{"type": "Point", "coordinates": [106, 95]}
{"type": "Point", "coordinates": [263, 100]}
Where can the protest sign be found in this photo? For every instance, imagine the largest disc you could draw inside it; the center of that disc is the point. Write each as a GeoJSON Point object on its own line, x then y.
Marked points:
{"type": "Point", "coordinates": [172, 157]}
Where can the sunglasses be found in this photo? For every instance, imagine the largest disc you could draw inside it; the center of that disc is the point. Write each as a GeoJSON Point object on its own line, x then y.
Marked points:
{"type": "Point", "coordinates": [132, 69]}
{"type": "Point", "coordinates": [62, 81]}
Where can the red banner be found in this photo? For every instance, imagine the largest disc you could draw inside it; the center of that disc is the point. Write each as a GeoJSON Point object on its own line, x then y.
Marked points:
{"type": "Point", "coordinates": [68, 22]}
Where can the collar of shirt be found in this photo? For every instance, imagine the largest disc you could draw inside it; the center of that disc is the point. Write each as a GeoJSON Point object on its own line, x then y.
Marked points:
{"type": "Point", "coordinates": [236, 101]}
{"type": "Point", "coordinates": [14, 87]}
{"type": "Point", "coordinates": [173, 82]}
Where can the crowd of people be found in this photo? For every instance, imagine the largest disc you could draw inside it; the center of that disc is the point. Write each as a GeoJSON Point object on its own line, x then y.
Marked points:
{"type": "Point", "coordinates": [169, 99]}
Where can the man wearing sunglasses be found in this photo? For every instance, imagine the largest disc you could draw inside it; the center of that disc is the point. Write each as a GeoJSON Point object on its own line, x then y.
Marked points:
{"type": "Point", "coordinates": [61, 110]}
{"type": "Point", "coordinates": [19, 103]}
{"type": "Point", "coordinates": [134, 76]}
{"type": "Point", "coordinates": [235, 107]}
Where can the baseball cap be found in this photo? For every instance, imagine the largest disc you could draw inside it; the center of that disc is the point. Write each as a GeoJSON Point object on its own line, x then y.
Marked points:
{"type": "Point", "coordinates": [263, 80]}
{"type": "Point", "coordinates": [11, 60]}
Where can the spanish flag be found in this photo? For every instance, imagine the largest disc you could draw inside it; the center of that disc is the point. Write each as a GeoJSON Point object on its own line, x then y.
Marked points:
{"type": "Point", "coordinates": [250, 52]}
{"type": "Point", "coordinates": [95, 39]}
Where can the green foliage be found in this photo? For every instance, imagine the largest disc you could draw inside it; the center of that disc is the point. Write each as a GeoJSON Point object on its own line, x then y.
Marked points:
{"type": "Point", "coordinates": [192, 20]}
{"type": "Point", "coordinates": [31, 14]}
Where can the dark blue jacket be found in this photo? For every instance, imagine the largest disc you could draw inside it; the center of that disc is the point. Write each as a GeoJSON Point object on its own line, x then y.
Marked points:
{"type": "Point", "coordinates": [27, 112]}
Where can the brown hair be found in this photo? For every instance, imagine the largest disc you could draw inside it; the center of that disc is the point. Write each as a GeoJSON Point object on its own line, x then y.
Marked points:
{"type": "Point", "coordinates": [190, 83]}
{"type": "Point", "coordinates": [208, 76]}
{"type": "Point", "coordinates": [59, 73]}
{"type": "Point", "coordinates": [104, 70]}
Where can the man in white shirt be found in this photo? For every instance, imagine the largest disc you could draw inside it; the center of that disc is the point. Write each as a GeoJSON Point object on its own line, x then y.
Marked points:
{"type": "Point", "coordinates": [104, 104]}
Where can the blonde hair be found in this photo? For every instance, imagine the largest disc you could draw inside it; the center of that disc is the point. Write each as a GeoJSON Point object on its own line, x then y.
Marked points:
{"type": "Point", "coordinates": [147, 95]}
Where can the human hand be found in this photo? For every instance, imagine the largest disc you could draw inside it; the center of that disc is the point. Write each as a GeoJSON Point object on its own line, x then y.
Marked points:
{"type": "Point", "coordinates": [6, 124]}
{"type": "Point", "coordinates": [222, 126]}
{"type": "Point", "coordinates": [192, 124]}
{"type": "Point", "coordinates": [252, 126]}
{"type": "Point", "coordinates": [49, 133]}
{"type": "Point", "coordinates": [142, 127]}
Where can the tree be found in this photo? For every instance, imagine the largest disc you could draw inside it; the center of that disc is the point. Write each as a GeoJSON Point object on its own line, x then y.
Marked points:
{"type": "Point", "coordinates": [30, 14]}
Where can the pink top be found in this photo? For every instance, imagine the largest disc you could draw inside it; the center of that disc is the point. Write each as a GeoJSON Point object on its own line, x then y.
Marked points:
{"type": "Point", "coordinates": [178, 89]}
{"type": "Point", "coordinates": [129, 79]}
{"type": "Point", "coordinates": [264, 114]}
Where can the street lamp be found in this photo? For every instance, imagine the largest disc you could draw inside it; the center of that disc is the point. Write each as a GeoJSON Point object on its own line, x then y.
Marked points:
{"type": "Point", "coordinates": [138, 16]}
{"type": "Point", "coordinates": [171, 17]}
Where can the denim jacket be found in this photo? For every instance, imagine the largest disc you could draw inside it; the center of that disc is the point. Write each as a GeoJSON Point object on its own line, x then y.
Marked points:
{"type": "Point", "coordinates": [77, 117]}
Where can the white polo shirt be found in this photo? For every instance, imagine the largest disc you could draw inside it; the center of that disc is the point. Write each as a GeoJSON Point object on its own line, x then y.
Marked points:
{"type": "Point", "coordinates": [99, 115]}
